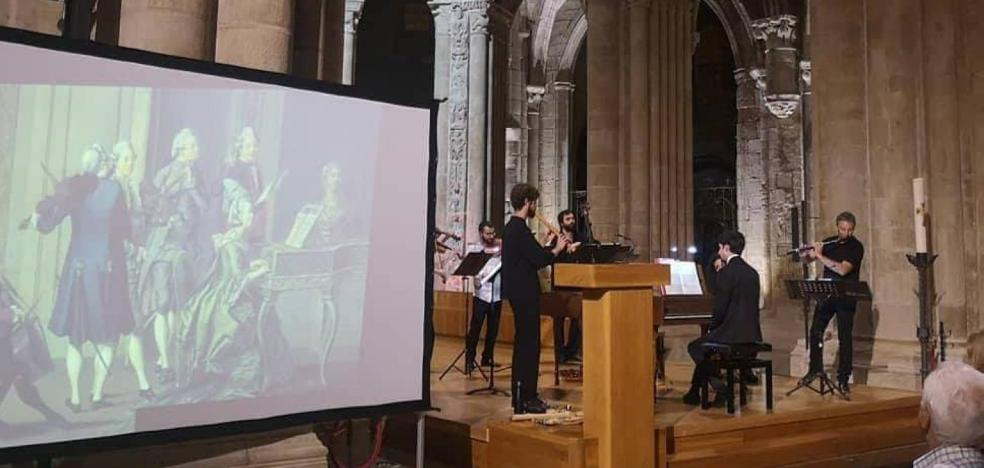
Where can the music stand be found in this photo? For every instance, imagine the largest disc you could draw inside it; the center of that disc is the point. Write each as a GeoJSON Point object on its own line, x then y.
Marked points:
{"type": "Point", "coordinates": [821, 291]}
{"type": "Point", "coordinates": [470, 266]}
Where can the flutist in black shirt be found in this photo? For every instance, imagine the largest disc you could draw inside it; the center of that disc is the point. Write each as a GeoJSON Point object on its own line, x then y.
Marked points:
{"type": "Point", "coordinates": [522, 256]}
{"type": "Point", "coordinates": [841, 257]}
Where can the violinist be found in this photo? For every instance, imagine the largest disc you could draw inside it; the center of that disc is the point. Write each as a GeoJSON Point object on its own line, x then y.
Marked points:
{"type": "Point", "coordinates": [487, 300]}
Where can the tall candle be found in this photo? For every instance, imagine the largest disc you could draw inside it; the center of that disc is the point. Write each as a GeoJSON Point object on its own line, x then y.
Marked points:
{"type": "Point", "coordinates": [919, 209]}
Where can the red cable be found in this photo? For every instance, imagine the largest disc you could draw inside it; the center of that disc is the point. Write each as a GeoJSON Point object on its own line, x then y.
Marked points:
{"type": "Point", "coordinates": [377, 449]}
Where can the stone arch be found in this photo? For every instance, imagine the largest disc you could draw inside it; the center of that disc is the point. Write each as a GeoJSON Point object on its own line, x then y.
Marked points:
{"type": "Point", "coordinates": [738, 26]}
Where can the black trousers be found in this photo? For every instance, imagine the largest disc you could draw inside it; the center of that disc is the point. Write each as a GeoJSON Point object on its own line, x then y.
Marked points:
{"type": "Point", "coordinates": [482, 311]}
{"type": "Point", "coordinates": [844, 310]}
{"type": "Point", "coordinates": [526, 350]}
{"type": "Point", "coordinates": [702, 368]}
{"type": "Point", "coordinates": [568, 348]}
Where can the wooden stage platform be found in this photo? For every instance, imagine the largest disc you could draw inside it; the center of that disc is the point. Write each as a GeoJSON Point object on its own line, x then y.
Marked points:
{"type": "Point", "coordinates": [878, 428]}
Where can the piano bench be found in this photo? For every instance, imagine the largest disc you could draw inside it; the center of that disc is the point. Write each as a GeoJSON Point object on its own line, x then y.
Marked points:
{"type": "Point", "coordinates": [732, 357]}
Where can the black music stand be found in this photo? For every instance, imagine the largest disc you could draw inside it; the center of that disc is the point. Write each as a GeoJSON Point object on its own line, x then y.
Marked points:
{"type": "Point", "coordinates": [820, 291]}
{"type": "Point", "coordinates": [470, 266]}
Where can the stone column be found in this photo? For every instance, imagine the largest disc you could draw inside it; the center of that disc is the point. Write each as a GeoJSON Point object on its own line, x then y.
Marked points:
{"type": "Point", "coordinates": [255, 33]}
{"type": "Point", "coordinates": [534, 101]}
{"type": "Point", "coordinates": [638, 183]}
{"type": "Point", "coordinates": [478, 90]}
{"type": "Point", "coordinates": [781, 59]}
{"type": "Point", "coordinates": [173, 27]}
{"type": "Point", "coordinates": [671, 127]}
{"type": "Point", "coordinates": [752, 176]}
{"type": "Point", "coordinates": [500, 21]}
{"type": "Point", "coordinates": [446, 203]}
{"type": "Point", "coordinates": [603, 116]}
{"type": "Point", "coordinates": [333, 32]}
{"type": "Point", "coordinates": [307, 34]}
{"type": "Point", "coordinates": [461, 61]}
{"type": "Point", "coordinates": [353, 10]}
{"type": "Point", "coordinates": [565, 97]}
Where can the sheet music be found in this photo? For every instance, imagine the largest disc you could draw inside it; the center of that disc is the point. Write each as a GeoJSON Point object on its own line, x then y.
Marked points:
{"type": "Point", "coordinates": [490, 269]}
{"type": "Point", "coordinates": [684, 280]}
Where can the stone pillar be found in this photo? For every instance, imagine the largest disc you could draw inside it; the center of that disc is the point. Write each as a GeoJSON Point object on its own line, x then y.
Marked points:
{"type": "Point", "coordinates": [353, 10]}
{"type": "Point", "coordinates": [603, 116]}
{"type": "Point", "coordinates": [32, 15]}
{"type": "Point", "coordinates": [781, 59]}
{"type": "Point", "coordinates": [448, 205]}
{"type": "Point", "coordinates": [534, 101]}
{"type": "Point", "coordinates": [255, 33]}
{"type": "Point", "coordinates": [333, 32]}
{"type": "Point", "coordinates": [173, 27]}
{"type": "Point", "coordinates": [638, 183]}
{"type": "Point", "coordinates": [500, 21]}
{"type": "Point", "coordinates": [307, 33]}
{"type": "Point", "coordinates": [478, 91]}
{"type": "Point", "coordinates": [565, 97]}
{"type": "Point", "coordinates": [670, 101]}
{"type": "Point", "coordinates": [461, 61]}
{"type": "Point", "coordinates": [752, 176]}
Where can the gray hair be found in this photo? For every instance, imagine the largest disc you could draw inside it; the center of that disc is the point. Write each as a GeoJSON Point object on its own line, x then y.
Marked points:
{"type": "Point", "coordinates": [954, 397]}
{"type": "Point", "coordinates": [93, 158]}
{"type": "Point", "coordinates": [182, 139]}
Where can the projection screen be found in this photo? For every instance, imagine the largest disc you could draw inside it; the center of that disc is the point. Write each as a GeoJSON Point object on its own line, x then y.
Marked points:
{"type": "Point", "coordinates": [184, 249]}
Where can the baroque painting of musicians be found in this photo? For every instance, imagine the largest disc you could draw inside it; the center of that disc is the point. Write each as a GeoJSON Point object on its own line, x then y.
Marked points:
{"type": "Point", "coordinates": [140, 262]}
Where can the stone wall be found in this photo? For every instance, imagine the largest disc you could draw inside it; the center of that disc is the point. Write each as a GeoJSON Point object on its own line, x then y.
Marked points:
{"type": "Point", "coordinates": [895, 97]}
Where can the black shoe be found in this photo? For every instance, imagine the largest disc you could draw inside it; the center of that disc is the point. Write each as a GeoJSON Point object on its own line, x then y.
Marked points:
{"type": "Point", "coordinates": [490, 363]}
{"type": "Point", "coordinates": [692, 397]}
{"type": "Point", "coordinates": [534, 406]}
{"type": "Point", "coordinates": [720, 399]}
{"type": "Point", "coordinates": [844, 386]}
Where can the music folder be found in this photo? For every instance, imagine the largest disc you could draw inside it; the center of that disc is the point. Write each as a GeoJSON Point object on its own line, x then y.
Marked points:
{"type": "Point", "coordinates": [472, 264]}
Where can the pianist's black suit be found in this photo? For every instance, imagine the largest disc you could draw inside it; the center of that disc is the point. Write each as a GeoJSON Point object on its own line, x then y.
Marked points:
{"type": "Point", "coordinates": [736, 313]}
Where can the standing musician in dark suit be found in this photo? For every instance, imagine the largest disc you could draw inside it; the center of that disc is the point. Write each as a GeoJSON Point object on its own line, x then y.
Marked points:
{"type": "Point", "coordinates": [736, 313]}
{"type": "Point", "coordinates": [522, 256]}
{"type": "Point", "coordinates": [841, 257]}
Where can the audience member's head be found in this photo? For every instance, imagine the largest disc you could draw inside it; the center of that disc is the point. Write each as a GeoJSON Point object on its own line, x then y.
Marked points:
{"type": "Point", "coordinates": [975, 350]}
{"type": "Point", "coordinates": [953, 406]}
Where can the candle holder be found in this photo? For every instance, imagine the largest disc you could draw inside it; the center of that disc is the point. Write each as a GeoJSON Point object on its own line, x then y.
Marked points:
{"type": "Point", "coordinates": [923, 261]}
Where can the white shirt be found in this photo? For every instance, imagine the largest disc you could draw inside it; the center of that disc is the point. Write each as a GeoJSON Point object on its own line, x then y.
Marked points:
{"type": "Point", "coordinates": [728, 260]}
{"type": "Point", "coordinates": [489, 291]}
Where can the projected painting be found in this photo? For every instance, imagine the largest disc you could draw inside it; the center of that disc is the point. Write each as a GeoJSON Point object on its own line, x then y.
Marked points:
{"type": "Point", "coordinates": [169, 248]}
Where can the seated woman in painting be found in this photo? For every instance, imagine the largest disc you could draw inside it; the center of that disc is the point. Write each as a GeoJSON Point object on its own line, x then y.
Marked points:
{"type": "Point", "coordinates": [217, 338]}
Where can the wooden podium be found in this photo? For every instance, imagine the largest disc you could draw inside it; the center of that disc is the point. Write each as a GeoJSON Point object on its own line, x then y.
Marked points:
{"type": "Point", "coordinates": [618, 357]}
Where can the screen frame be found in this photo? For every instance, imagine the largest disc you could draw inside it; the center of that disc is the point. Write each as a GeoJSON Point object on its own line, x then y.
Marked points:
{"type": "Point", "coordinates": [79, 447]}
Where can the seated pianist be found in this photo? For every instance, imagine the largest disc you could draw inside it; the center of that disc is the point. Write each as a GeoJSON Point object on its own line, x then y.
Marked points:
{"type": "Point", "coordinates": [735, 318]}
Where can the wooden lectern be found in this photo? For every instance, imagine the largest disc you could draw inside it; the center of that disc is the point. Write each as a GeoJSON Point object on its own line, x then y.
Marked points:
{"type": "Point", "coordinates": [617, 316]}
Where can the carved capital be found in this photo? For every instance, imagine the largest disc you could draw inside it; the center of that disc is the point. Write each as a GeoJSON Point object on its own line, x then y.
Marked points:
{"type": "Point", "coordinates": [759, 75]}
{"type": "Point", "coordinates": [479, 23]}
{"type": "Point", "coordinates": [806, 73]}
{"type": "Point", "coordinates": [782, 27]}
{"type": "Point", "coordinates": [534, 95]}
{"type": "Point", "coordinates": [782, 106]}
{"type": "Point", "coordinates": [563, 86]}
